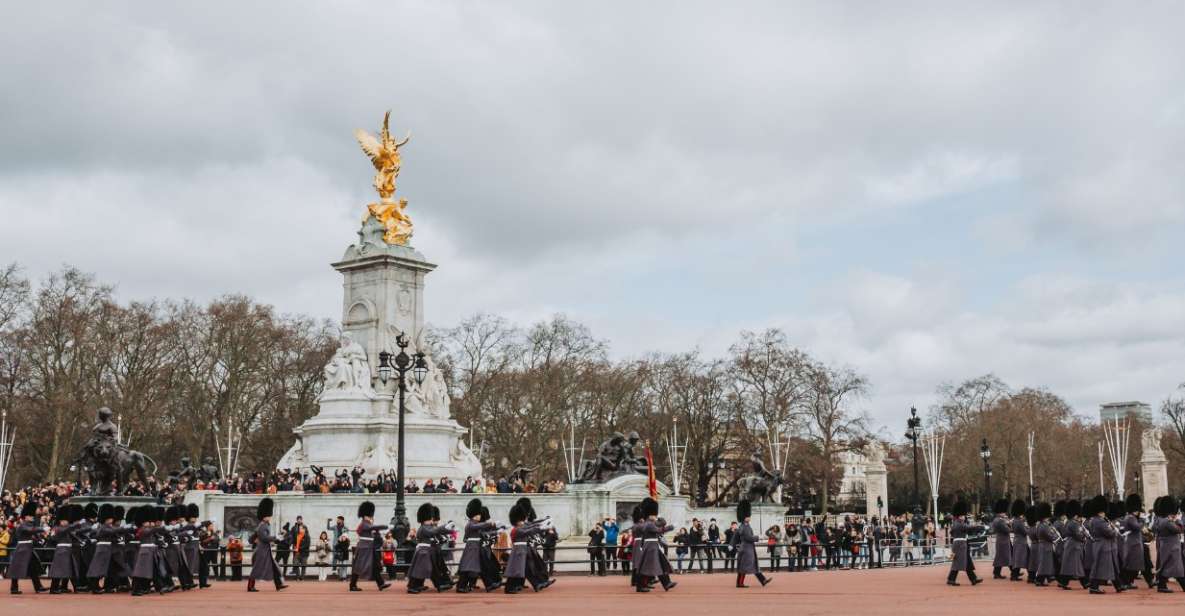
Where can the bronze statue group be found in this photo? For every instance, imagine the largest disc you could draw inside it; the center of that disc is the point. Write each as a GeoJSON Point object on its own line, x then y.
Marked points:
{"type": "Point", "coordinates": [1095, 543]}
{"type": "Point", "coordinates": [105, 549]}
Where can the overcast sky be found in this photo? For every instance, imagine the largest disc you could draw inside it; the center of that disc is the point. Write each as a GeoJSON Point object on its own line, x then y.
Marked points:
{"type": "Point", "coordinates": [922, 192]}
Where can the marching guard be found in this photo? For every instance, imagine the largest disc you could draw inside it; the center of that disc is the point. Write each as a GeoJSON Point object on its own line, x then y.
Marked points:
{"type": "Point", "coordinates": [961, 555]}
{"type": "Point", "coordinates": [745, 544]}
{"type": "Point", "coordinates": [1133, 559]}
{"type": "Point", "coordinates": [103, 565]}
{"type": "Point", "coordinates": [149, 569]}
{"type": "Point", "coordinates": [24, 564]}
{"type": "Point", "coordinates": [1100, 528]}
{"type": "Point", "coordinates": [364, 560]}
{"type": "Point", "coordinates": [191, 546]}
{"type": "Point", "coordinates": [653, 563]}
{"type": "Point", "coordinates": [517, 574]}
{"type": "Point", "coordinates": [423, 561]}
{"type": "Point", "coordinates": [1168, 530]}
{"type": "Point", "coordinates": [477, 555]}
{"type": "Point", "coordinates": [63, 570]}
{"type": "Point", "coordinates": [174, 553]}
{"type": "Point", "coordinates": [1002, 529]}
{"type": "Point", "coordinates": [1031, 529]}
{"type": "Point", "coordinates": [263, 564]}
{"type": "Point", "coordinates": [1072, 567]}
{"type": "Point", "coordinates": [1019, 558]}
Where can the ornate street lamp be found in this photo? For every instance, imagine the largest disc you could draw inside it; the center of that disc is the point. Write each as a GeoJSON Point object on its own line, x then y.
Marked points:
{"type": "Point", "coordinates": [401, 364]}
{"type": "Point", "coordinates": [986, 453]}
{"type": "Point", "coordinates": [912, 432]}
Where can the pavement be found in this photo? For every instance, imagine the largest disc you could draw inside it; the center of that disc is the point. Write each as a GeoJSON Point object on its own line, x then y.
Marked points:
{"type": "Point", "coordinates": [913, 590]}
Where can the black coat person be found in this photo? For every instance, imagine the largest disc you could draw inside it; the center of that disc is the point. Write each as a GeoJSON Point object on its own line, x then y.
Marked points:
{"type": "Point", "coordinates": [424, 565]}
{"type": "Point", "coordinates": [1002, 531]}
{"type": "Point", "coordinates": [1168, 530]}
{"type": "Point", "coordinates": [23, 563]}
{"type": "Point", "coordinates": [1019, 558]}
{"type": "Point", "coordinates": [369, 534]}
{"type": "Point", "coordinates": [263, 564]}
{"type": "Point", "coordinates": [961, 560]}
{"type": "Point", "coordinates": [473, 558]}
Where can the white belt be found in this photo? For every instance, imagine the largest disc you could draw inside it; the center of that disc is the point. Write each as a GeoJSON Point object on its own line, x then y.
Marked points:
{"type": "Point", "coordinates": [649, 540]}
{"type": "Point", "coordinates": [360, 539]}
{"type": "Point", "coordinates": [959, 539]}
{"type": "Point", "coordinates": [423, 545]}
{"type": "Point", "coordinates": [20, 542]}
{"type": "Point", "coordinates": [477, 539]}
{"type": "Point", "coordinates": [520, 543]}
{"type": "Point", "coordinates": [103, 543]}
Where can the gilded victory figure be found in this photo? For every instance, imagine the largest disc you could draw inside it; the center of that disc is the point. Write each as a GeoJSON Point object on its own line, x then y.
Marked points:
{"type": "Point", "coordinates": [384, 153]}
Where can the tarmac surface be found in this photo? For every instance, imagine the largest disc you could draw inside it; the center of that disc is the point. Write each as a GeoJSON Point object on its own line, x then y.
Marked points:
{"type": "Point", "coordinates": [914, 590]}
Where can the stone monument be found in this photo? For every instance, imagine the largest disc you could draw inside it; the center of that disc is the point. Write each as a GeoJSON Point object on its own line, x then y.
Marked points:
{"type": "Point", "coordinates": [383, 297]}
{"type": "Point", "coordinates": [1153, 466]}
{"type": "Point", "coordinates": [876, 482]}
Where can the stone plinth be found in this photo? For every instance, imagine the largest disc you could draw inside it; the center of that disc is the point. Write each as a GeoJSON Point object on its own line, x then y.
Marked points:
{"type": "Point", "coordinates": [1154, 474]}
{"type": "Point", "coordinates": [876, 485]}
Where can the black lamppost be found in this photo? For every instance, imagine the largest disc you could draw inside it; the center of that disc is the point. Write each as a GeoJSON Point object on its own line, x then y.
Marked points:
{"type": "Point", "coordinates": [913, 426]}
{"type": "Point", "coordinates": [986, 453]}
{"type": "Point", "coordinates": [401, 364]}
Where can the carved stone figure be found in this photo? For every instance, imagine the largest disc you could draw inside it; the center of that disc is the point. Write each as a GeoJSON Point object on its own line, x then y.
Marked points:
{"type": "Point", "coordinates": [874, 453]}
{"type": "Point", "coordinates": [1150, 442]}
{"type": "Point", "coordinates": [761, 485]}
{"type": "Point", "coordinates": [109, 465]}
{"type": "Point", "coordinates": [615, 457]}
{"type": "Point", "coordinates": [349, 368]}
{"type": "Point", "coordinates": [633, 458]}
{"type": "Point", "coordinates": [208, 471]}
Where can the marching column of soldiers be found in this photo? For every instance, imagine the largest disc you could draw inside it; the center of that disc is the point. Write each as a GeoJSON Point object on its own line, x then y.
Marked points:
{"type": "Point", "coordinates": [1093, 543]}
{"type": "Point", "coordinates": [107, 549]}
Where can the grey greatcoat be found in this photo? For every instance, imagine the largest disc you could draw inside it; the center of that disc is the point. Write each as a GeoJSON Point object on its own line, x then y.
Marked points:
{"type": "Point", "coordinates": [1034, 553]}
{"type": "Point", "coordinates": [1131, 554]}
{"type": "Point", "coordinates": [190, 547]}
{"type": "Point", "coordinates": [24, 558]}
{"type": "Point", "coordinates": [65, 563]}
{"type": "Point", "coordinates": [105, 538]}
{"type": "Point", "coordinates": [520, 551]}
{"type": "Point", "coordinates": [744, 541]}
{"type": "Point", "coordinates": [471, 555]}
{"type": "Point", "coordinates": [1168, 548]}
{"type": "Point", "coordinates": [421, 560]}
{"type": "Point", "coordinates": [368, 534]}
{"type": "Point", "coordinates": [1105, 557]}
{"type": "Point", "coordinates": [173, 555]}
{"type": "Point", "coordinates": [1019, 559]}
{"type": "Point", "coordinates": [147, 558]}
{"type": "Point", "coordinates": [653, 562]}
{"type": "Point", "coordinates": [1072, 553]}
{"type": "Point", "coordinates": [1003, 531]}
{"type": "Point", "coordinates": [1060, 526]}
{"type": "Point", "coordinates": [263, 564]}
{"type": "Point", "coordinates": [960, 554]}
{"type": "Point", "coordinates": [1046, 537]}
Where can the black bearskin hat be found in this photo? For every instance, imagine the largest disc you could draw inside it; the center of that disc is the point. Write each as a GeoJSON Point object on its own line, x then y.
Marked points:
{"type": "Point", "coordinates": [74, 513]}
{"type": "Point", "coordinates": [1134, 503]}
{"type": "Point", "coordinates": [1059, 509]}
{"type": "Point", "coordinates": [485, 514]}
{"type": "Point", "coordinates": [424, 513]}
{"type": "Point", "coordinates": [60, 513]}
{"type": "Point", "coordinates": [192, 511]}
{"type": "Point", "coordinates": [1031, 515]}
{"type": "Point", "coordinates": [91, 511]}
{"type": "Point", "coordinates": [1018, 508]}
{"type": "Point", "coordinates": [1115, 510]}
{"type": "Point", "coordinates": [473, 508]}
{"type": "Point", "coordinates": [1099, 505]}
{"type": "Point", "coordinates": [366, 510]}
{"type": "Point", "coordinates": [117, 513]}
{"type": "Point", "coordinates": [172, 513]}
{"type": "Point", "coordinates": [527, 507]}
{"type": "Point", "coordinates": [636, 514]}
{"type": "Point", "coordinates": [435, 513]}
{"type": "Point", "coordinates": [1073, 508]}
{"type": "Point", "coordinates": [744, 510]}
{"type": "Point", "coordinates": [29, 510]}
{"type": "Point", "coordinates": [959, 509]}
{"type": "Point", "coordinates": [265, 509]}
{"type": "Point", "coordinates": [649, 507]}
{"type": "Point", "coordinates": [162, 514]}
{"type": "Point", "coordinates": [1089, 507]}
{"type": "Point", "coordinates": [106, 512]}
{"type": "Point", "coordinates": [1001, 506]}
{"type": "Point", "coordinates": [1044, 512]}
{"type": "Point", "coordinates": [517, 514]}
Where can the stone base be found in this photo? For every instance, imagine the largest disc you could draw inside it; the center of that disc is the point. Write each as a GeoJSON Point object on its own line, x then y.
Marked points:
{"type": "Point", "coordinates": [1154, 470]}
{"type": "Point", "coordinates": [126, 502]}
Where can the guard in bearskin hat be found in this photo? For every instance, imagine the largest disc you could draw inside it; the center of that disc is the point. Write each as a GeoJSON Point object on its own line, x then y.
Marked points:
{"type": "Point", "coordinates": [1073, 565]}
{"type": "Point", "coordinates": [369, 534]}
{"type": "Point", "coordinates": [744, 545]}
{"type": "Point", "coordinates": [148, 571]}
{"type": "Point", "coordinates": [1059, 524]}
{"type": "Point", "coordinates": [491, 569]}
{"type": "Point", "coordinates": [263, 563]}
{"type": "Point", "coordinates": [1103, 536]}
{"type": "Point", "coordinates": [653, 563]}
{"type": "Point", "coordinates": [23, 563]}
{"type": "Point", "coordinates": [64, 569]}
{"type": "Point", "coordinates": [1018, 559]}
{"type": "Point", "coordinates": [1132, 550]}
{"type": "Point", "coordinates": [422, 566]}
{"type": "Point", "coordinates": [1168, 530]}
{"type": "Point", "coordinates": [537, 569]}
{"type": "Point", "coordinates": [191, 545]}
{"type": "Point", "coordinates": [960, 527]}
{"type": "Point", "coordinates": [1001, 528]}
{"type": "Point", "coordinates": [471, 565]}
{"type": "Point", "coordinates": [521, 532]}
{"type": "Point", "coordinates": [174, 534]}
{"type": "Point", "coordinates": [102, 566]}
{"type": "Point", "coordinates": [84, 543]}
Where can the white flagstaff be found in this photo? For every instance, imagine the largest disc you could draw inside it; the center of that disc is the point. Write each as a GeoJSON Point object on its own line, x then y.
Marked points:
{"type": "Point", "coordinates": [228, 456]}
{"type": "Point", "coordinates": [1102, 489]}
{"type": "Point", "coordinates": [7, 438]}
{"type": "Point", "coordinates": [1032, 439]}
{"type": "Point", "coordinates": [1118, 437]}
{"type": "Point", "coordinates": [933, 450]}
{"type": "Point", "coordinates": [571, 464]}
{"type": "Point", "coordinates": [674, 451]}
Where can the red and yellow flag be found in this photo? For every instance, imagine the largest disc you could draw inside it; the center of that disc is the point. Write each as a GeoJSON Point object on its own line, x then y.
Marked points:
{"type": "Point", "coordinates": [650, 472]}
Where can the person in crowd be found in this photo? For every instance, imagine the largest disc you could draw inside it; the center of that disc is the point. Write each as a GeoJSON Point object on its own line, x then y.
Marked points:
{"type": "Point", "coordinates": [728, 548]}
{"type": "Point", "coordinates": [625, 551]}
{"type": "Point", "coordinates": [611, 533]}
{"type": "Point", "coordinates": [301, 543]}
{"type": "Point", "coordinates": [682, 548]}
{"type": "Point", "coordinates": [234, 556]}
{"type": "Point", "coordinates": [714, 548]}
{"type": "Point", "coordinates": [961, 526]}
{"type": "Point", "coordinates": [365, 561]}
{"type": "Point", "coordinates": [773, 541]}
{"type": "Point", "coordinates": [697, 540]}
{"type": "Point", "coordinates": [263, 564]}
{"type": "Point", "coordinates": [551, 539]}
{"type": "Point", "coordinates": [744, 542]}
{"type": "Point", "coordinates": [387, 553]}
{"type": "Point", "coordinates": [322, 555]}
{"type": "Point", "coordinates": [596, 550]}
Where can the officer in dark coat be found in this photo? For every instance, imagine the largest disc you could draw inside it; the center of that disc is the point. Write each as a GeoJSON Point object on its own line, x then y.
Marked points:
{"type": "Point", "coordinates": [744, 545]}
{"type": "Point", "coordinates": [1072, 567]}
{"type": "Point", "coordinates": [148, 571]}
{"type": "Point", "coordinates": [1104, 536]}
{"type": "Point", "coordinates": [1002, 529]}
{"type": "Point", "coordinates": [537, 570]}
{"type": "Point", "coordinates": [64, 568]}
{"type": "Point", "coordinates": [653, 564]}
{"type": "Point", "coordinates": [1168, 530]}
{"type": "Point", "coordinates": [102, 565]}
{"type": "Point", "coordinates": [1018, 559]}
{"type": "Point", "coordinates": [471, 565]}
{"type": "Point", "coordinates": [1132, 548]}
{"type": "Point", "coordinates": [422, 566]}
{"type": "Point", "coordinates": [263, 564]}
{"type": "Point", "coordinates": [491, 570]}
{"type": "Point", "coordinates": [364, 562]}
{"type": "Point", "coordinates": [521, 533]}
{"type": "Point", "coordinates": [174, 552]}
{"type": "Point", "coordinates": [960, 527]}
{"type": "Point", "coordinates": [84, 543]}
{"type": "Point", "coordinates": [1059, 524]}
{"type": "Point", "coordinates": [190, 545]}
{"type": "Point", "coordinates": [23, 563]}
{"type": "Point", "coordinates": [1031, 522]}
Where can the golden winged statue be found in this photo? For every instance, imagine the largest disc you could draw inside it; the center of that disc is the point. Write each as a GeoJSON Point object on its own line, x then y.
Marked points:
{"type": "Point", "coordinates": [383, 151]}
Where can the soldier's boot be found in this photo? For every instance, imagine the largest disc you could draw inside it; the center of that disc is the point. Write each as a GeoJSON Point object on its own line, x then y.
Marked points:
{"type": "Point", "coordinates": [251, 585]}
{"type": "Point", "coordinates": [1085, 583]}
{"type": "Point", "coordinates": [354, 583]}
{"type": "Point", "coordinates": [996, 573]}
{"type": "Point", "coordinates": [667, 584]}
{"type": "Point", "coordinates": [1162, 585]}
{"type": "Point", "coordinates": [974, 578]}
{"type": "Point", "coordinates": [950, 578]}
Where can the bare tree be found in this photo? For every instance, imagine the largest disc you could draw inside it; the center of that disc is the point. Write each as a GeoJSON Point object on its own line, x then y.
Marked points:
{"type": "Point", "coordinates": [830, 419]}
